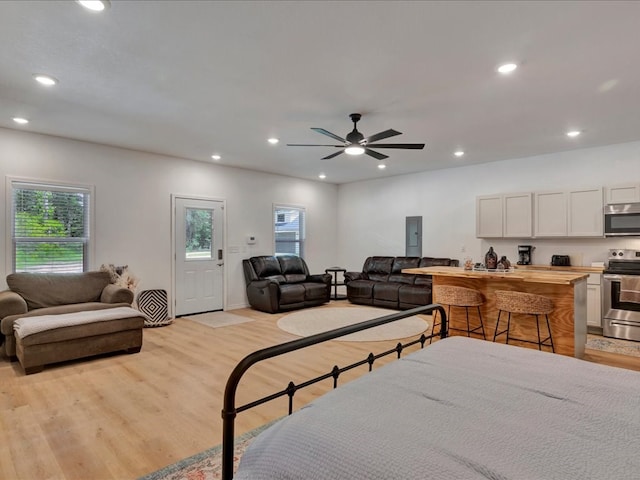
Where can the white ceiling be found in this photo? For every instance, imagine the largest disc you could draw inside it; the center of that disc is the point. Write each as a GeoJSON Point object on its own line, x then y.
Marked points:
{"type": "Point", "coordinates": [189, 79]}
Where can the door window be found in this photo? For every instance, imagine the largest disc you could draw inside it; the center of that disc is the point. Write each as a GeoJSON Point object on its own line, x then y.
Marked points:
{"type": "Point", "coordinates": [198, 234]}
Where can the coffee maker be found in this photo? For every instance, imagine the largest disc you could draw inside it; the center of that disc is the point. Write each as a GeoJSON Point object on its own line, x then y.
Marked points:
{"type": "Point", "coordinates": [524, 254]}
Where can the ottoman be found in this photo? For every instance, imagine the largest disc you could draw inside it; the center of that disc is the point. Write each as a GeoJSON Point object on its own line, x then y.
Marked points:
{"type": "Point", "coordinates": [47, 339]}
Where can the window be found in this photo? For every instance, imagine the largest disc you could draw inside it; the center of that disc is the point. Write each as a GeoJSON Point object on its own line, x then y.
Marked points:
{"type": "Point", "coordinates": [198, 230]}
{"type": "Point", "coordinates": [289, 230]}
{"type": "Point", "coordinates": [50, 227]}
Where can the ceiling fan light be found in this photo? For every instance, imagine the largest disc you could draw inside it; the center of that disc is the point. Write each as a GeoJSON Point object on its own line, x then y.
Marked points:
{"type": "Point", "coordinates": [354, 150]}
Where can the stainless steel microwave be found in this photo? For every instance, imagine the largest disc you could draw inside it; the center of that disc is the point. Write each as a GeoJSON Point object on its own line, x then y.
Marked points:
{"type": "Point", "coordinates": [622, 219]}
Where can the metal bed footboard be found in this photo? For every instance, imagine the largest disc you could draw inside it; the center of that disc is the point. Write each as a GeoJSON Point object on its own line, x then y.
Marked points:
{"type": "Point", "coordinates": [229, 410]}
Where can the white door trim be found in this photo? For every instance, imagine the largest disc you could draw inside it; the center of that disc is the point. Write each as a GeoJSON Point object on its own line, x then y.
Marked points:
{"type": "Point", "coordinates": [172, 296]}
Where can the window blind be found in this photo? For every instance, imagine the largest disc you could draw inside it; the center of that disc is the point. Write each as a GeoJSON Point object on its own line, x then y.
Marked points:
{"type": "Point", "coordinates": [50, 227]}
{"type": "Point", "coordinates": [289, 230]}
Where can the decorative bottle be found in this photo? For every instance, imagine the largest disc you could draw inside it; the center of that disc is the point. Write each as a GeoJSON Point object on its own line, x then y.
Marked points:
{"type": "Point", "coordinates": [491, 259]}
{"type": "Point", "coordinates": [504, 263]}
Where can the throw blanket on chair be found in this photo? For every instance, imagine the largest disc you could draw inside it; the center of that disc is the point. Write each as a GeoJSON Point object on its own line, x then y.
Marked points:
{"type": "Point", "coordinates": [630, 289]}
{"type": "Point", "coordinates": [26, 326]}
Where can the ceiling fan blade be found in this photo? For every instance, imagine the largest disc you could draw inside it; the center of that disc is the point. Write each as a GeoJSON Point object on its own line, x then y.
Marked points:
{"type": "Point", "coordinates": [412, 146]}
{"type": "Point", "coordinates": [312, 145]}
{"type": "Point", "coordinates": [382, 135]}
{"type": "Point", "coordinates": [376, 155]}
{"type": "Point", "coordinates": [332, 155]}
{"type": "Point", "coordinates": [328, 134]}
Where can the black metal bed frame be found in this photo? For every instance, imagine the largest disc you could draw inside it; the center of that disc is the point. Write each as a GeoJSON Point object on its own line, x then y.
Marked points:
{"type": "Point", "coordinates": [229, 410]}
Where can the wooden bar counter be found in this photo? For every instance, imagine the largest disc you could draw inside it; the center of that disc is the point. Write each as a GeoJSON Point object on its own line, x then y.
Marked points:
{"type": "Point", "coordinates": [568, 290]}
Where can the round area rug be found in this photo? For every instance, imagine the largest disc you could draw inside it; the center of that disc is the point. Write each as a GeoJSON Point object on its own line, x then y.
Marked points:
{"type": "Point", "coordinates": [316, 320]}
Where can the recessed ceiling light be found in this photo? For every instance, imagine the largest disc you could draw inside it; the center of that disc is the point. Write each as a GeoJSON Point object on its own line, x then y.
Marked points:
{"type": "Point", "coordinates": [216, 157]}
{"type": "Point", "coordinates": [458, 153]}
{"type": "Point", "coordinates": [94, 5]}
{"type": "Point", "coordinates": [20, 120]}
{"type": "Point", "coordinates": [322, 176]}
{"type": "Point", "coordinates": [573, 133]}
{"type": "Point", "coordinates": [507, 68]}
{"type": "Point", "coordinates": [382, 166]}
{"type": "Point", "coordinates": [46, 80]}
{"type": "Point", "coordinates": [273, 141]}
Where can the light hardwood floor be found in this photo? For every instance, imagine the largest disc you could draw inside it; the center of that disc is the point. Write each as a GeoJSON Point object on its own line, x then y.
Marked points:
{"type": "Point", "coordinates": [123, 416]}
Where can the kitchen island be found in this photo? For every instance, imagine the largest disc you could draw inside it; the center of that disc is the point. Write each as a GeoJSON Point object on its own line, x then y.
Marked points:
{"type": "Point", "coordinates": [568, 290]}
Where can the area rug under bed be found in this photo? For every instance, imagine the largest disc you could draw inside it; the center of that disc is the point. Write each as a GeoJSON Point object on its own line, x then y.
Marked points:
{"type": "Point", "coordinates": [205, 465]}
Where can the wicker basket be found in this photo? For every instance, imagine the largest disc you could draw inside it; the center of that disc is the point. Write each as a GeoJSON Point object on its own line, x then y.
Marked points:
{"type": "Point", "coordinates": [520, 302]}
{"type": "Point", "coordinates": [457, 296]}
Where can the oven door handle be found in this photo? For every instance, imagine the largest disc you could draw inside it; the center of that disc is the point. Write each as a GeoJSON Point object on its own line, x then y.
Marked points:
{"type": "Point", "coordinates": [611, 276]}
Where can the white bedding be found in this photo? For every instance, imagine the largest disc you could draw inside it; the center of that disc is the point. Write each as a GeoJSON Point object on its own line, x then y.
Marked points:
{"type": "Point", "coordinates": [23, 327]}
{"type": "Point", "coordinates": [462, 409]}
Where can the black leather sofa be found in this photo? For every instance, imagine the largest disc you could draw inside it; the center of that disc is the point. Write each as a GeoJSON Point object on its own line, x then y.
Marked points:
{"type": "Point", "coordinates": [382, 283]}
{"type": "Point", "coordinates": [281, 283]}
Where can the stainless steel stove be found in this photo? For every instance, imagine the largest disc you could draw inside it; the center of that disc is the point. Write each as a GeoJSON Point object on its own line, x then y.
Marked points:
{"type": "Point", "coordinates": [622, 315]}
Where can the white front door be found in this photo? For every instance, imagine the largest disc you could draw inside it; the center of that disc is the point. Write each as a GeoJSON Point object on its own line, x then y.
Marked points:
{"type": "Point", "coordinates": [199, 259]}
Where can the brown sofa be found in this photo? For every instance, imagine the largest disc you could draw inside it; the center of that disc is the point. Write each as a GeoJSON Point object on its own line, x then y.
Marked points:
{"type": "Point", "coordinates": [32, 310]}
{"type": "Point", "coordinates": [382, 283]}
{"type": "Point", "coordinates": [281, 283]}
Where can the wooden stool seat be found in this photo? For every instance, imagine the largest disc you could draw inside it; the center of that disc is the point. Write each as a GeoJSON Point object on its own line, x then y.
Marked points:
{"type": "Point", "coordinates": [524, 303]}
{"type": "Point", "coordinates": [459, 297]}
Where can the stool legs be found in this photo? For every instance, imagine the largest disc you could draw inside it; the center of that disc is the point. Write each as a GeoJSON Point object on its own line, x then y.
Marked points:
{"type": "Point", "coordinates": [541, 342]}
{"type": "Point", "coordinates": [433, 327]}
{"type": "Point", "coordinates": [469, 329]}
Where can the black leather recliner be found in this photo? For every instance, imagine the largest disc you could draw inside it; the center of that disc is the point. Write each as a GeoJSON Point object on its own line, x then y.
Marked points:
{"type": "Point", "coordinates": [382, 283]}
{"type": "Point", "coordinates": [281, 283]}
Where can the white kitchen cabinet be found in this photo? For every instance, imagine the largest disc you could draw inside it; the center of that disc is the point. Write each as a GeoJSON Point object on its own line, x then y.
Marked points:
{"type": "Point", "coordinates": [550, 214]}
{"type": "Point", "coordinates": [623, 193]}
{"type": "Point", "coordinates": [517, 215]}
{"type": "Point", "coordinates": [570, 213]}
{"type": "Point", "coordinates": [585, 213]}
{"type": "Point", "coordinates": [594, 300]}
{"type": "Point", "coordinates": [489, 216]}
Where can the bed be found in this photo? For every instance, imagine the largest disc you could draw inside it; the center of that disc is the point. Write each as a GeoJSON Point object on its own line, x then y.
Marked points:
{"type": "Point", "coordinates": [462, 409]}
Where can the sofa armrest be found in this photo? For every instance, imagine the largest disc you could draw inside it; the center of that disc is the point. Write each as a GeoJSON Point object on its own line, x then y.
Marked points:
{"type": "Point", "coordinates": [11, 304]}
{"type": "Point", "coordinates": [264, 295]}
{"type": "Point", "coordinates": [115, 294]}
{"type": "Point", "coordinates": [350, 276]}
{"type": "Point", "coordinates": [320, 278]}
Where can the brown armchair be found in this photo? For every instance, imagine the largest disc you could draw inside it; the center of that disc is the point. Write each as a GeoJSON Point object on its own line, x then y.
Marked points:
{"type": "Point", "coordinates": [281, 283]}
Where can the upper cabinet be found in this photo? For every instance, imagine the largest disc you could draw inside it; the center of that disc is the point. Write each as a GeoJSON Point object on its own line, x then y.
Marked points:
{"type": "Point", "coordinates": [506, 215]}
{"type": "Point", "coordinates": [586, 213]}
{"type": "Point", "coordinates": [622, 194]}
{"type": "Point", "coordinates": [558, 213]}
{"type": "Point", "coordinates": [517, 211]}
{"type": "Point", "coordinates": [551, 214]}
{"type": "Point", "coordinates": [489, 216]}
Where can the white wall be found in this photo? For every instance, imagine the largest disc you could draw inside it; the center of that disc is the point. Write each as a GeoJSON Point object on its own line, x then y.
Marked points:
{"type": "Point", "coordinates": [133, 218]}
{"type": "Point", "coordinates": [371, 214]}
{"type": "Point", "coordinates": [133, 206]}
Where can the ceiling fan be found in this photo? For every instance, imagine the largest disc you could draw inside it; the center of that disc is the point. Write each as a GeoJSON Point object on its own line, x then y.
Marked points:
{"type": "Point", "coordinates": [357, 144]}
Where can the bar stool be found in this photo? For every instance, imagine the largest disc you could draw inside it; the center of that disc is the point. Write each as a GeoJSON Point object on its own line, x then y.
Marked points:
{"type": "Point", "coordinates": [524, 303]}
{"type": "Point", "coordinates": [458, 297]}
